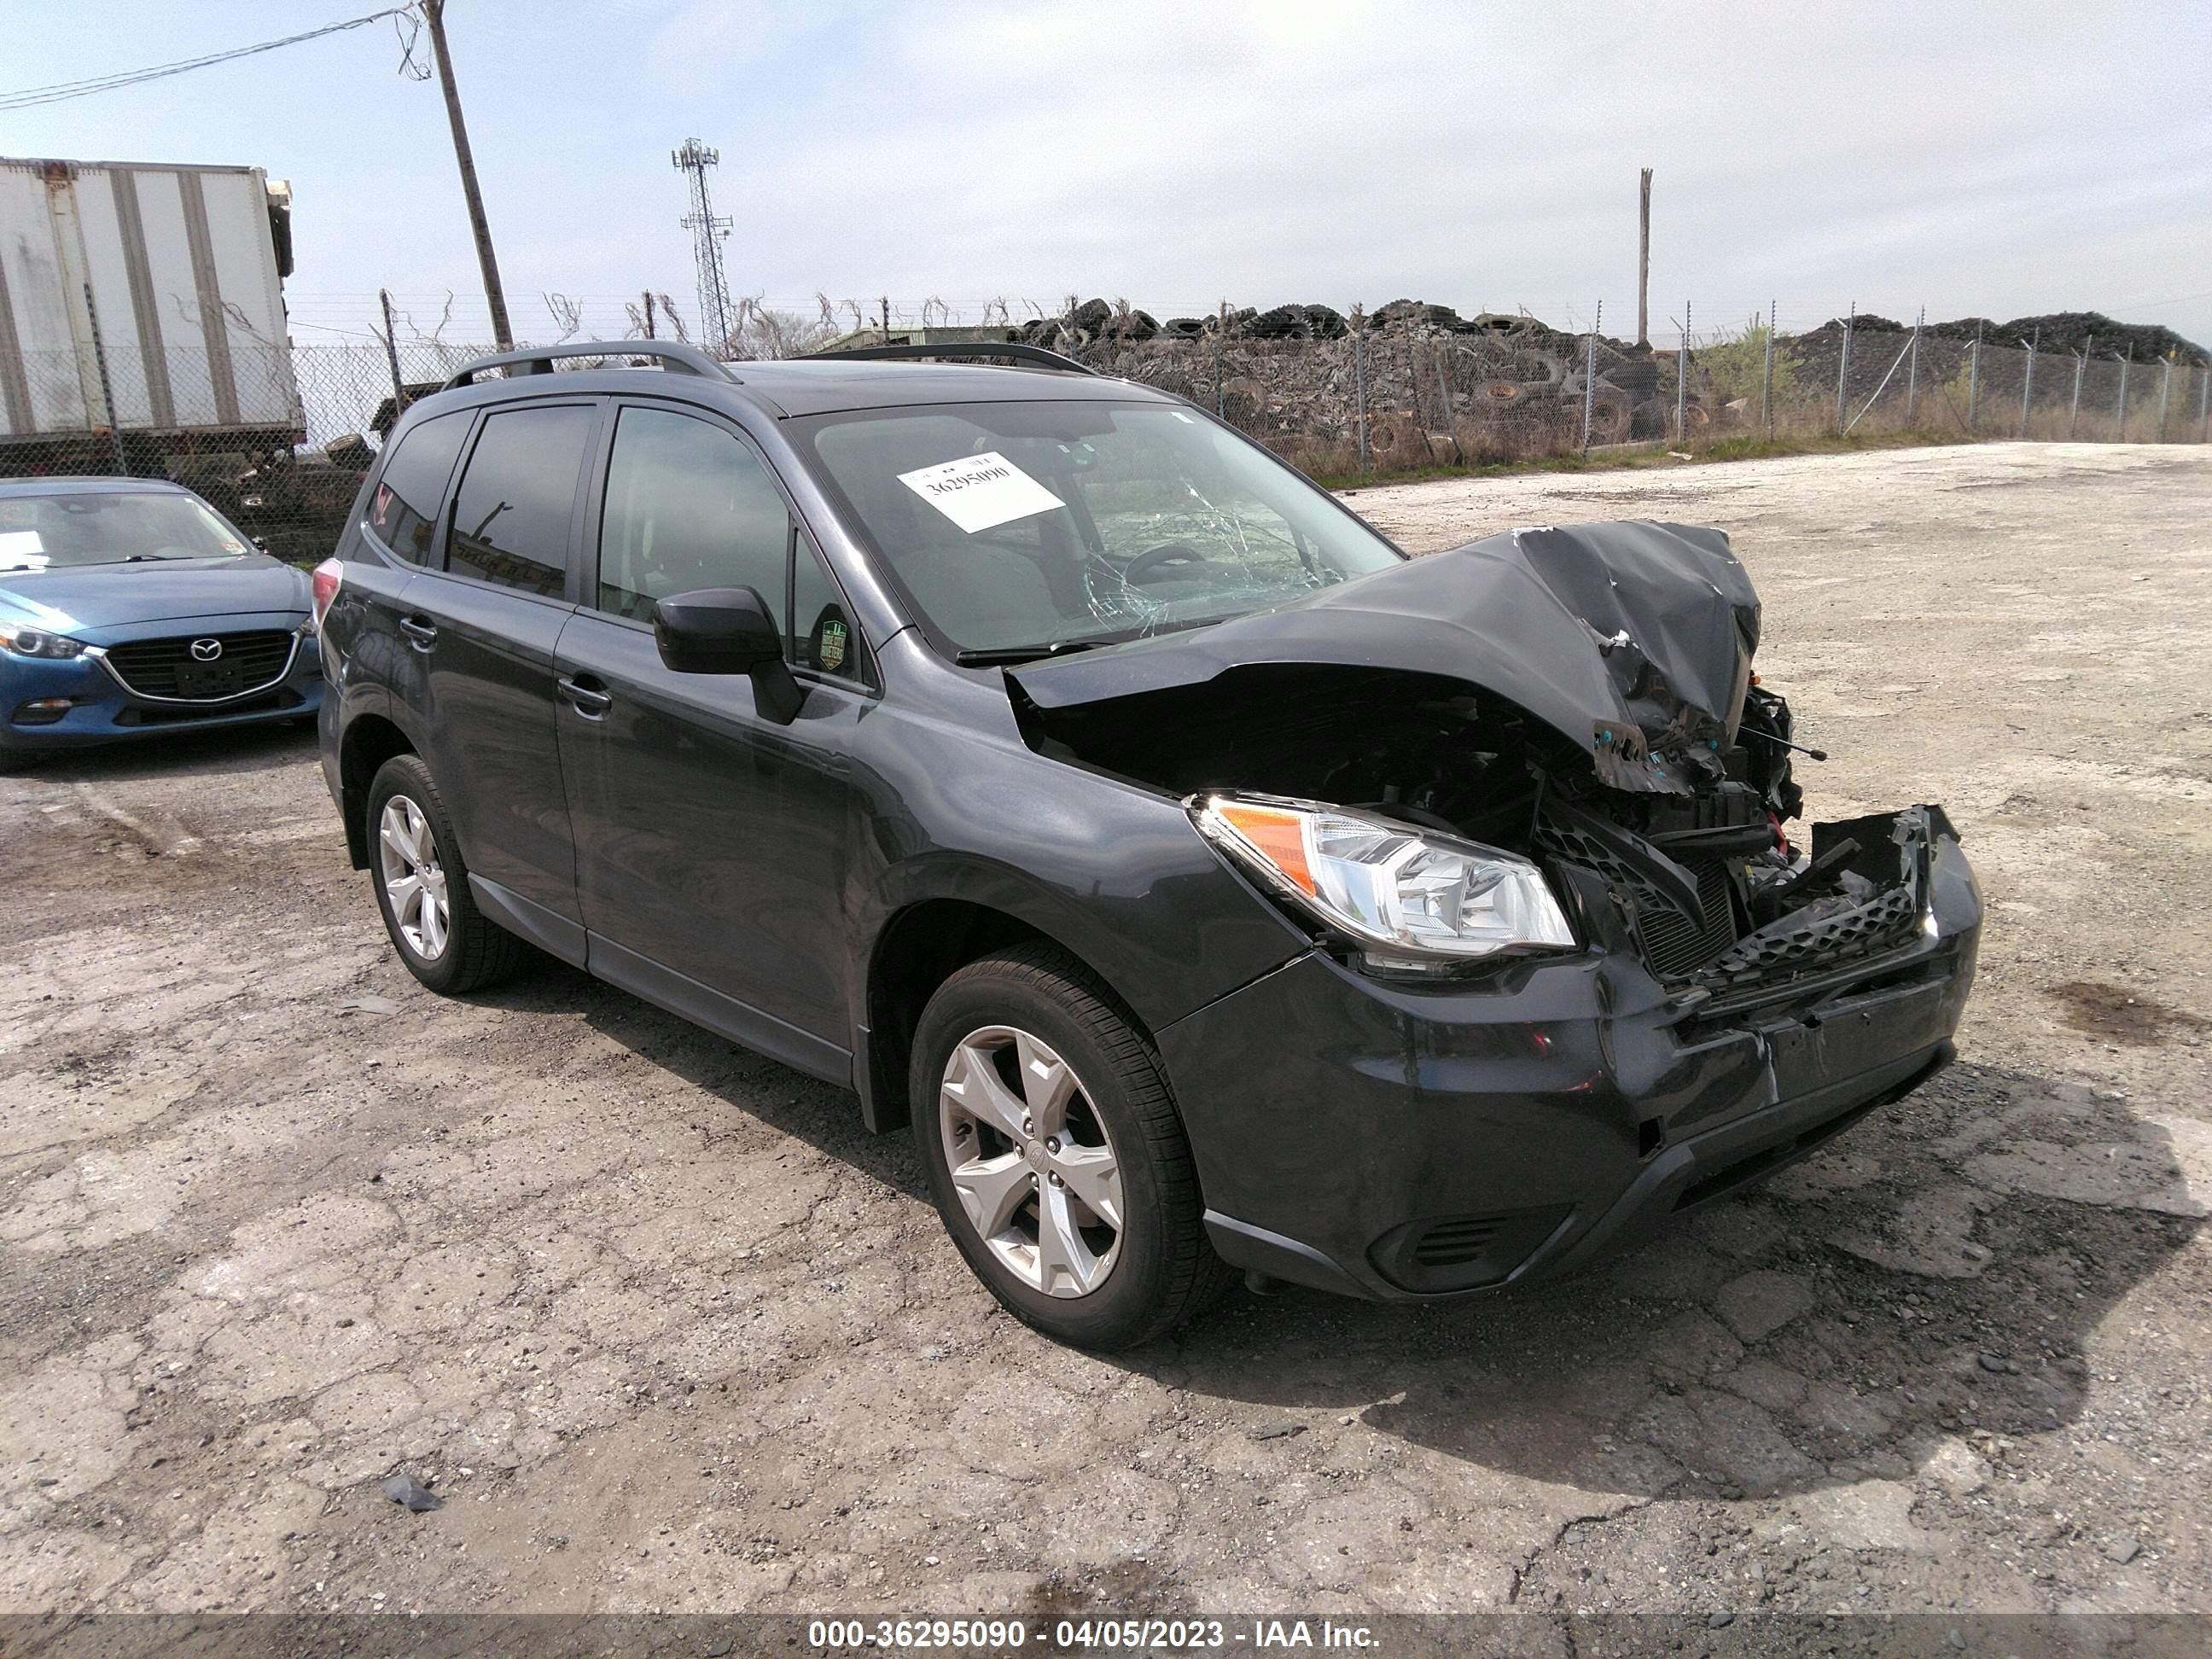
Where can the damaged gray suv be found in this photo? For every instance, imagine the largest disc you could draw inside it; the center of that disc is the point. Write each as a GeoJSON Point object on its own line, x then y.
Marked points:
{"type": "Point", "coordinates": [1214, 889]}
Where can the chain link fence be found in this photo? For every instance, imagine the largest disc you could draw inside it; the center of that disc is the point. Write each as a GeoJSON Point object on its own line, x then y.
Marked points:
{"type": "Point", "coordinates": [280, 439]}
{"type": "Point", "coordinates": [1410, 395]}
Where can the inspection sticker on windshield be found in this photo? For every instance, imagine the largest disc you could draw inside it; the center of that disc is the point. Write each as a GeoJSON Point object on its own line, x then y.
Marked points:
{"type": "Point", "coordinates": [981, 491]}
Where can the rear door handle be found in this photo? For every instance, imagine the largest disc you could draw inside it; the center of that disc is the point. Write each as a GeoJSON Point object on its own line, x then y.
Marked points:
{"type": "Point", "coordinates": [590, 703]}
{"type": "Point", "coordinates": [422, 632]}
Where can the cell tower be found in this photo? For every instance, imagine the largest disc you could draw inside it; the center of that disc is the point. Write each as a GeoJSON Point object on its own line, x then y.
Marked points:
{"type": "Point", "coordinates": [707, 234]}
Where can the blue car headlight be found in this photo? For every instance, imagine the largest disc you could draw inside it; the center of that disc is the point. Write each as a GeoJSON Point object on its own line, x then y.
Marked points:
{"type": "Point", "coordinates": [36, 642]}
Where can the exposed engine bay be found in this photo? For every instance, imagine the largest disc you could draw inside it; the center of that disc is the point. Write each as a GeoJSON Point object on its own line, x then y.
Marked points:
{"type": "Point", "coordinates": [1655, 789]}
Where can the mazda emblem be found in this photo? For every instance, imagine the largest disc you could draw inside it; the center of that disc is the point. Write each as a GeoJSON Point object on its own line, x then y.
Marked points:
{"type": "Point", "coordinates": [206, 650]}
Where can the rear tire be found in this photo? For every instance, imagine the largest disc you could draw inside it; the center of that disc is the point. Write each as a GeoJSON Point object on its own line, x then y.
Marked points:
{"type": "Point", "coordinates": [423, 886]}
{"type": "Point", "coordinates": [1076, 1113]}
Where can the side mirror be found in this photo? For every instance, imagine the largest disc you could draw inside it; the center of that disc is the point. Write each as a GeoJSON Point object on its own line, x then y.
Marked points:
{"type": "Point", "coordinates": [729, 630]}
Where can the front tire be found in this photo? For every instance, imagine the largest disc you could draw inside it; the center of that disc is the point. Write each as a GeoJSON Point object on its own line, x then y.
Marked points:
{"type": "Point", "coordinates": [1056, 1155]}
{"type": "Point", "coordinates": [423, 885]}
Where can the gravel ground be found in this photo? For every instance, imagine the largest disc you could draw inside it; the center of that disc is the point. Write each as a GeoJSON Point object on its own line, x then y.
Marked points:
{"type": "Point", "coordinates": [667, 1330]}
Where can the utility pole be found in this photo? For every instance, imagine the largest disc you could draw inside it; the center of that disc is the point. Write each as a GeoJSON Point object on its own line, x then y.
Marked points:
{"type": "Point", "coordinates": [1843, 365]}
{"type": "Point", "coordinates": [1589, 375]}
{"type": "Point", "coordinates": [2080, 368]}
{"type": "Point", "coordinates": [1973, 378]}
{"type": "Point", "coordinates": [1643, 263]}
{"type": "Point", "coordinates": [1766, 371]}
{"type": "Point", "coordinates": [1912, 374]}
{"type": "Point", "coordinates": [1682, 380]}
{"type": "Point", "coordinates": [392, 357]}
{"type": "Point", "coordinates": [433, 14]}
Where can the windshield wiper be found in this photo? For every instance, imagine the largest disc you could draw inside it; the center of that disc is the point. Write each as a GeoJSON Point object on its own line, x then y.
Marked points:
{"type": "Point", "coordinates": [1007, 655]}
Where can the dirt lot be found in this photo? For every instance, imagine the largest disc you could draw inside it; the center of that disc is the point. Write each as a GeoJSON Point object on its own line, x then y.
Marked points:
{"type": "Point", "coordinates": [669, 1330]}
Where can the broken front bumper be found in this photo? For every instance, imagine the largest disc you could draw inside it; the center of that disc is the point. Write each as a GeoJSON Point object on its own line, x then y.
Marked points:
{"type": "Point", "coordinates": [1399, 1141]}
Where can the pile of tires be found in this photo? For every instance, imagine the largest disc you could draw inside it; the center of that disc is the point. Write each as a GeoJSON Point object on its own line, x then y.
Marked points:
{"type": "Point", "coordinates": [1299, 323]}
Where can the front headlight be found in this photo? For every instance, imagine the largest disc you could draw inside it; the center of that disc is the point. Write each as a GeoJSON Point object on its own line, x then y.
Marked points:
{"type": "Point", "coordinates": [1415, 899]}
{"type": "Point", "coordinates": [36, 642]}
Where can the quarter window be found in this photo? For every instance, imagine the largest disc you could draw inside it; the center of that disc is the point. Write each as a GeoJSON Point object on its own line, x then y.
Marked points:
{"type": "Point", "coordinates": [511, 516]}
{"type": "Point", "coordinates": [403, 506]}
{"type": "Point", "coordinates": [687, 507]}
{"type": "Point", "coordinates": [822, 636]}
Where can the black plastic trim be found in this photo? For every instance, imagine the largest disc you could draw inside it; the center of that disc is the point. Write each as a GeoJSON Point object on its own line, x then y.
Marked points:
{"type": "Point", "coordinates": [1011, 350]}
{"type": "Point", "coordinates": [675, 355]}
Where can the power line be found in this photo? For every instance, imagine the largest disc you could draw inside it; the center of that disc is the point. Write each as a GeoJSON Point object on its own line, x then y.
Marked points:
{"type": "Point", "coordinates": [60, 91]}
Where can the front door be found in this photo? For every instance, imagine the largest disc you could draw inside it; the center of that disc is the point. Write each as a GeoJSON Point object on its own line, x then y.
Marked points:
{"type": "Point", "coordinates": [711, 842]}
{"type": "Point", "coordinates": [486, 626]}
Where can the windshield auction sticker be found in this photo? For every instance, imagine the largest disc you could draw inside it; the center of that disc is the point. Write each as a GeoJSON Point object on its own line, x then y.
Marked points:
{"type": "Point", "coordinates": [981, 491]}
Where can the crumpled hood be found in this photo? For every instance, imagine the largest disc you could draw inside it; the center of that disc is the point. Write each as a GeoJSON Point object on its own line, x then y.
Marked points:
{"type": "Point", "coordinates": [1631, 639]}
{"type": "Point", "coordinates": [96, 596]}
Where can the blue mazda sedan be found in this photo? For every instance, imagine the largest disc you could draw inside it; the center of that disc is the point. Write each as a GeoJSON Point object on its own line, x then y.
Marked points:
{"type": "Point", "coordinates": [129, 607]}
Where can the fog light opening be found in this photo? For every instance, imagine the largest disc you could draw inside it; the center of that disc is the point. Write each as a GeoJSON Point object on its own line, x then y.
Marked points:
{"type": "Point", "coordinates": [1650, 1136]}
{"type": "Point", "coordinates": [42, 711]}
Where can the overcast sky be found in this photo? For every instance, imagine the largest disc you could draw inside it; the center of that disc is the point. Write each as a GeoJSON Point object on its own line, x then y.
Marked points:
{"type": "Point", "coordinates": [1997, 160]}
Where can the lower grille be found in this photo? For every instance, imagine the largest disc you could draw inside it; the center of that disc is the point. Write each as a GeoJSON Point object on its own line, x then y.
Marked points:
{"type": "Point", "coordinates": [169, 669]}
{"type": "Point", "coordinates": [1675, 944]}
{"type": "Point", "coordinates": [1675, 940]}
{"type": "Point", "coordinates": [1789, 946]}
{"type": "Point", "coordinates": [267, 702]}
{"type": "Point", "coordinates": [1705, 942]}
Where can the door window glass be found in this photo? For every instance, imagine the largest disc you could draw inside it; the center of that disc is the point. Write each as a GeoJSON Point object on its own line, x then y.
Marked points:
{"type": "Point", "coordinates": [405, 504]}
{"type": "Point", "coordinates": [822, 634]}
{"type": "Point", "coordinates": [687, 507]}
{"type": "Point", "coordinates": [510, 517]}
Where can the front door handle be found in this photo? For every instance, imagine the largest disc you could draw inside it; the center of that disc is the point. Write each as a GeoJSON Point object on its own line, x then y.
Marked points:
{"type": "Point", "coordinates": [424, 633]}
{"type": "Point", "coordinates": [590, 703]}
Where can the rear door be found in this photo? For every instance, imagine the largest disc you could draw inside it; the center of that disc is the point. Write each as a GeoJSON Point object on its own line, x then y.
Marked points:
{"type": "Point", "coordinates": [484, 627]}
{"type": "Point", "coordinates": [711, 842]}
{"type": "Point", "coordinates": [393, 540]}
{"type": "Point", "coordinates": [369, 663]}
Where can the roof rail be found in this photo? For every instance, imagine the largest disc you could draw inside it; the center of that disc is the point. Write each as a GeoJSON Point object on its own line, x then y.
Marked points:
{"type": "Point", "coordinates": [1011, 348]}
{"type": "Point", "coordinates": [675, 356]}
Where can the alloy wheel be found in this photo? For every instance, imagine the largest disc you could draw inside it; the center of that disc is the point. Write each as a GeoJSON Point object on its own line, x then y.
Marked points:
{"type": "Point", "coordinates": [1036, 1171]}
{"type": "Point", "coordinates": [414, 880]}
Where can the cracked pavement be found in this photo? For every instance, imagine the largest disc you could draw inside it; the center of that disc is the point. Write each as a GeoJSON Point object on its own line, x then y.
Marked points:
{"type": "Point", "coordinates": [667, 1330]}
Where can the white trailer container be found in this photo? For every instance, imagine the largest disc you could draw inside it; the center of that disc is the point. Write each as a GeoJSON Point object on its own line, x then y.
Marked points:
{"type": "Point", "coordinates": [142, 313]}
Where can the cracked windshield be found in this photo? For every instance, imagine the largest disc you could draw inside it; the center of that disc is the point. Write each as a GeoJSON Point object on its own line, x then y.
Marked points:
{"type": "Point", "coordinates": [1019, 529]}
